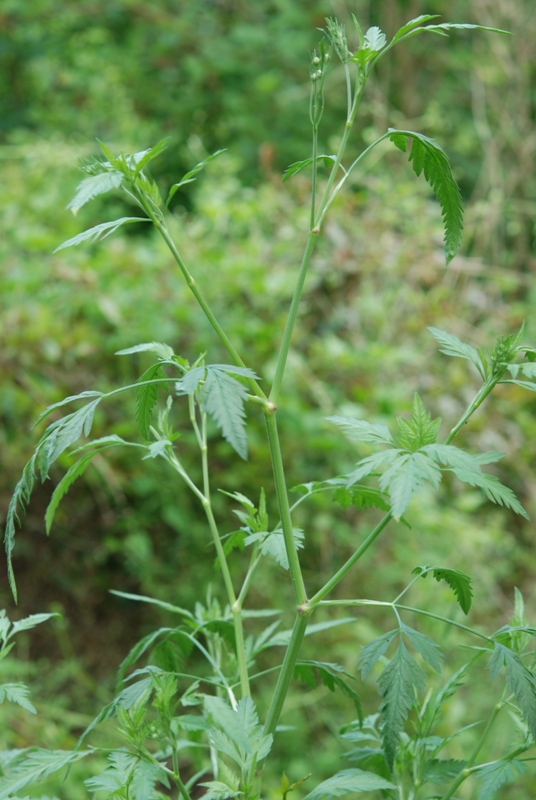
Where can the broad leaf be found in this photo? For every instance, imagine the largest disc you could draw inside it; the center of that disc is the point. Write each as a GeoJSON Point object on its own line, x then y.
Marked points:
{"type": "Point", "coordinates": [428, 157]}
{"type": "Point", "coordinates": [348, 781]}
{"type": "Point", "coordinates": [99, 232]}
{"type": "Point", "coordinates": [91, 187]}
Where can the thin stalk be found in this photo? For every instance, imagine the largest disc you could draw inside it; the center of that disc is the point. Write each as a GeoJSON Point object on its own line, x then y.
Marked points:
{"type": "Point", "coordinates": [254, 561]}
{"type": "Point", "coordinates": [394, 605]}
{"type": "Point", "coordinates": [472, 758]}
{"type": "Point", "coordinates": [292, 314]}
{"type": "Point", "coordinates": [287, 671]}
{"type": "Point", "coordinates": [192, 285]}
{"type": "Point", "coordinates": [182, 788]}
{"type": "Point", "coordinates": [346, 567]}
{"type": "Point", "coordinates": [485, 390]}
{"type": "Point", "coordinates": [284, 511]}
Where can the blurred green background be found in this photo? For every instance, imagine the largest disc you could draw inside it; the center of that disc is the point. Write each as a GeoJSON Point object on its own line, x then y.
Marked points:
{"type": "Point", "coordinates": [234, 74]}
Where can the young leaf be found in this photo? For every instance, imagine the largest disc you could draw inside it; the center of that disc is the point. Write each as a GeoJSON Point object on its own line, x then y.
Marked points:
{"type": "Point", "coordinates": [519, 680]}
{"type": "Point", "coordinates": [150, 154]}
{"type": "Point", "coordinates": [273, 544]}
{"type": "Point", "coordinates": [402, 33]}
{"type": "Point", "coordinates": [426, 155]}
{"type": "Point", "coordinates": [398, 683]}
{"type": "Point", "coordinates": [357, 430]}
{"type": "Point", "coordinates": [163, 351]}
{"type": "Point", "coordinates": [190, 176]}
{"type": "Point", "coordinates": [99, 232]}
{"type": "Point", "coordinates": [348, 781]}
{"type": "Point", "coordinates": [452, 346]}
{"type": "Point", "coordinates": [93, 186]}
{"type": "Point", "coordinates": [297, 166]}
{"type": "Point", "coordinates": [217, 790]}
{"type": "Point", "coordinates": [419, 430]}
{"type": "Point", "coordinates": [492, 776]}
{"type": "Point", "coordinates": [28, 623]}
{"type": "Point", "coordinates": [16, 693]}
{"type": "Point", "coordinates": [409, 473]}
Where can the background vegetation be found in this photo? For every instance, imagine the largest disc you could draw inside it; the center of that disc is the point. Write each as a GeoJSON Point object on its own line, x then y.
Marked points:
{"type": "Point", "coordinates": [234, 74]}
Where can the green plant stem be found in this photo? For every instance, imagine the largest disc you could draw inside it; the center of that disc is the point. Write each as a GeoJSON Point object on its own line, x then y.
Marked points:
{"type": "Point", "coordinates": [182, 788]}
{"type": "Point", "coordinates": [291, 319]}
{"type": "Point", "coordinates": [472, 758]}
{"type": "Point", "coordinates": [339, 575]}
{"type": "Point", "coordinates": [192, 285]}
{"type": "Point", "coordinates": [485, 390]}
{"type": "Point", "coordinates": [286, 673]}
{"type": "Point", "coordinates": [395, 606]}
{"type": "Point", "coordinates": [296, 576]}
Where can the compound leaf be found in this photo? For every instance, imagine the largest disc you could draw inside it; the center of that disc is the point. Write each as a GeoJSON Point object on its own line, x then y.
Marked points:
{"type": "Point", "coordinates": [428, 157]}
{"type": "Point", "coordinates": [146, 397]}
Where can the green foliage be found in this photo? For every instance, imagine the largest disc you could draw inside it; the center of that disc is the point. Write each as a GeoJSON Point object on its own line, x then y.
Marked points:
{"type": "Point", "coordinates": [211, 662]}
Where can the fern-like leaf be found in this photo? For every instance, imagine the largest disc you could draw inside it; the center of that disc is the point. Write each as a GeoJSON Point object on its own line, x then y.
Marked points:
{"type": "Point", "coordinates": [398, 683]}
{"type": "Point", "coordinates": [223, 397]}
{"type": "Point", "coordinates": [459, 582]}
{"type": "Point", "coordinates": [99, 232]}
{"type": "Point", "coordinates": [428, 157]}
{"type": "Point", "coordinates": [93, 186]}
{"type": "Point", "coordinates": [146, 397]}
{"type": "Point", "coordinates": [519, 680]}
{"type": "Point", "coordinates": [492, 776]}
